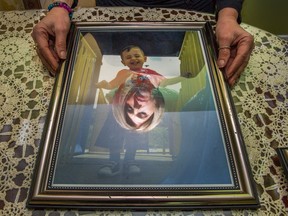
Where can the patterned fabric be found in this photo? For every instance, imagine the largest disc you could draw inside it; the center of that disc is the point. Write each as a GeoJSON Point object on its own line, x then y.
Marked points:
{"type": "Point", "coordinates": [260, 97]}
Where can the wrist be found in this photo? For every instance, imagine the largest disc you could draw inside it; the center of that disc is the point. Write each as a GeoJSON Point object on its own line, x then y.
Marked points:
{"type": "Point", "coordinates": [63, 5]}
{"type": "Point", "coordinates": [228, 14]}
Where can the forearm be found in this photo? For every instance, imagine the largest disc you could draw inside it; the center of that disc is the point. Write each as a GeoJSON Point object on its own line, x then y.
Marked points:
{"type": "Point", "coordinates": [68, 2]}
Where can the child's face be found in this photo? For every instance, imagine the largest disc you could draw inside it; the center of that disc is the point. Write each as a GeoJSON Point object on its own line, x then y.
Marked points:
{"type": "Point", "coordinates": [140, 107]}
{"type": "Point", "coordinates": [134, 58]}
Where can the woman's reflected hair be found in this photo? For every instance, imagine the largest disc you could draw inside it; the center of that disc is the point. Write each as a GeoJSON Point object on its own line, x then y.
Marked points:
{"type": "Point", "coordinates": [120, 111]}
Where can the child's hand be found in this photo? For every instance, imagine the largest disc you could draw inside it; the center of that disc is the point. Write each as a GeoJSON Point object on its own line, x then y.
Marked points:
{"type": "Point", "coordinates": [103, 84]}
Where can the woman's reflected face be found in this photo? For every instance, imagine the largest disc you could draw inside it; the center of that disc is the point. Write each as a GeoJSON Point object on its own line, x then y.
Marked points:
{"type": "Point", "coordinates": [140, 107]}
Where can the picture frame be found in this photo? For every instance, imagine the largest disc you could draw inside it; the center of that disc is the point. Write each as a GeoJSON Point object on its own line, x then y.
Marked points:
{"type": "Point", "coordinates": [193, 155]}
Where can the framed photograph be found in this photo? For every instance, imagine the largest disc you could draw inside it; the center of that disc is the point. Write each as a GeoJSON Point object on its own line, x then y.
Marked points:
{"type": "Point", "coordinates": [141, 117]}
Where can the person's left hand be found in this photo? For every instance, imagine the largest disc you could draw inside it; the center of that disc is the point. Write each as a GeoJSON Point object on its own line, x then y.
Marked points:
{"type": "Point", "coordinates": [235, 47]}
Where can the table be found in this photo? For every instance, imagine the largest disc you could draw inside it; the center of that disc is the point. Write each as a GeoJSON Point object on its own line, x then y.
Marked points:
{"type": "Point", "coordinates": [260, 97]}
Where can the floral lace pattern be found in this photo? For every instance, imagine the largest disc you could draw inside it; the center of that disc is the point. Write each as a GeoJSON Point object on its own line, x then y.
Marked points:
{"type": "Point", "coordinates": [260, 97]}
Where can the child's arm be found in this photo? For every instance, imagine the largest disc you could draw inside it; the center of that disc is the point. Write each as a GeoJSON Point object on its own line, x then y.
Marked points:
{"type": "Point", "coordinates": [174, 80]}
{"type": "Point", "coordinates": [171, 81]}
{"type": "Point", "coordinates": [116, 82]}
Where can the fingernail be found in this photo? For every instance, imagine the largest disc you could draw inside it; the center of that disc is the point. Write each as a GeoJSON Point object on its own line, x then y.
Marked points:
{"type": "Point", "coordinates": [221, 63]}
{"type": "Point", "coordinates": [62, 55]}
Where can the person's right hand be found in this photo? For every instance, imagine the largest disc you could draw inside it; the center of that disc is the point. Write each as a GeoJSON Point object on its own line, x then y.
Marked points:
{"type": "Point", "coordinates": [50, 36]}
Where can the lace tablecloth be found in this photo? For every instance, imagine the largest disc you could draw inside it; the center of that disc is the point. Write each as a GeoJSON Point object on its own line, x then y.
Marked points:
{"type": "Point", "coordinates": [260, 97]}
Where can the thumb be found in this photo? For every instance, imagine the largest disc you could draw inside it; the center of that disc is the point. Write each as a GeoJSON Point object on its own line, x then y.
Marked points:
{"type": "Point", "coordinates": [223, 55]}
{"type": "Point", "coordinates": [60, 44]}
{"type": "Point", "coordinates": [224, 52]}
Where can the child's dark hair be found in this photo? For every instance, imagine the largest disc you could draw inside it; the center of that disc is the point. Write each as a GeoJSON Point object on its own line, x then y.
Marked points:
{"type": "Point", "coordinates": [128, 48]}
